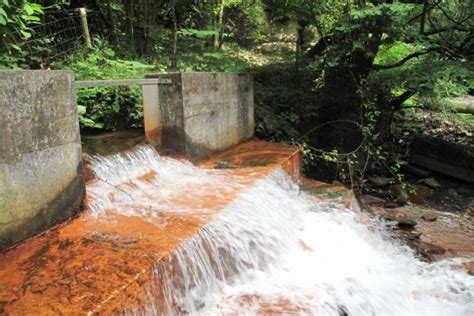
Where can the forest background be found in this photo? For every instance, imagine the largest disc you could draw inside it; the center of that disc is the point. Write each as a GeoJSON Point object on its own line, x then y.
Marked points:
{"type": "Point", "coordinates": [349, 81]}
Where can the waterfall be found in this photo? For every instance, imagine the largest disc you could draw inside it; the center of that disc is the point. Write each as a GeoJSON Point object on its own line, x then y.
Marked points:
{"type": "Point", "coordinates": [272, 250]}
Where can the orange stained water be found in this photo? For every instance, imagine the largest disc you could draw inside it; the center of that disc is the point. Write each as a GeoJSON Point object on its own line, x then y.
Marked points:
{"type": "Point", "coordinates": [103, 264]}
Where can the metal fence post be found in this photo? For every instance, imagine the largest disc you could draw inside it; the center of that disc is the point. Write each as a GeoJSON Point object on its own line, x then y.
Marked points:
{"type": "Point", "coordinates": [152, 114]}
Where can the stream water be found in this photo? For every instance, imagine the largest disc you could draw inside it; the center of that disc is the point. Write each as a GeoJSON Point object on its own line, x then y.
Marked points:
{"type": "Point", "coordinates": [273, 250]}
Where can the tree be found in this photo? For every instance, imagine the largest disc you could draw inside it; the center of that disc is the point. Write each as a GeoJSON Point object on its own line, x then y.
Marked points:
{"type": "Point", "coordinates": [358, 79]}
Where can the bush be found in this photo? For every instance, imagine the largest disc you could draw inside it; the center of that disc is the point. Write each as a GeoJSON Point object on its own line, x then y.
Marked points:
{"type": "Point", "coordinates": [108, 108]}
{"type": "Point", "coordinates": [250, 23]}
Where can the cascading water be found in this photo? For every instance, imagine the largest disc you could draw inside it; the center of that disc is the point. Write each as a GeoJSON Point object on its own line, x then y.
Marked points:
{"type": "Point", "coordinates": [272, 250]}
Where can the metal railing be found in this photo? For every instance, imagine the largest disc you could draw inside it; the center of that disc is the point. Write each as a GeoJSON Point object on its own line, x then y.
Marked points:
{"type": "Point", "coordinates": [124, 82]}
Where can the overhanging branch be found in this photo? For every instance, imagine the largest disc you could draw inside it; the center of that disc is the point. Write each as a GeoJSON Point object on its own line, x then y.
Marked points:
{"type": "Point", "coordinates": [404, 60]}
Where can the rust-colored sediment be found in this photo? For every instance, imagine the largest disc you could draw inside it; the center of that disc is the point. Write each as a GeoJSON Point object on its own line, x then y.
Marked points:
{"type": "Point", "coordinates": [276, 306]}
{"type": "Point", "coordinates": [330, 192]}
{"type": "Point", "coordinates": [255, 153]}
{"type": "Point", "coordinates": [153, 136]}
{"type": "Point", "coordinates": [103, 264]}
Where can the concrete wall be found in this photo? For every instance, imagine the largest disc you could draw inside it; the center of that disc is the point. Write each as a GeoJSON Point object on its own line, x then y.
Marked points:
{"type": "Point", "coordinates": [41, 182]}
{"type": "Point", "coordinates": [203, 113]}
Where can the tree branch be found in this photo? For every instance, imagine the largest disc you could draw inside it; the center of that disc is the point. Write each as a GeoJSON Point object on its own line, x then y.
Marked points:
{"type": "Point", "coordinates": [423, 16]}
{"type": "Point", "coordinates": [404, 60]}
{"type": "Point", "coordinates": [397, 102]}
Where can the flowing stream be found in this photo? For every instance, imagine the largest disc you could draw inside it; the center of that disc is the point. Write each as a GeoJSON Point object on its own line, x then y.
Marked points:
{"type": "Point", "coordinates": [274, 250]}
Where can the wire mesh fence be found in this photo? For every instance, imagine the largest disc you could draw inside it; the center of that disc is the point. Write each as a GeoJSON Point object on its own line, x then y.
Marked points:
{"type": "Point", "coordinates": [59, 33]}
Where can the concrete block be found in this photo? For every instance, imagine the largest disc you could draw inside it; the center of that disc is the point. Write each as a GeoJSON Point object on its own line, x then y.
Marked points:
{"type": "Point", "coordinates": [41, 182]}
{"type": "Point", "coordinates": [204, 113]}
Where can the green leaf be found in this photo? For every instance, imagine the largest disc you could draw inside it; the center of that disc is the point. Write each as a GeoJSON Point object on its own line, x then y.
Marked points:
{"type": "Point", "coordinates": [36, 7]}
{"type": "Point", "coordinates": [81, 110]}
{"type": "Point", "coordinates": [116, 106]}
{"type": "Point", "coordinates": [109, 52]}
{"type": "Point", "coordinates": [29, 10]}
{"type": "Point", "coordinates": [31, 18]}
{"type": "Point", "coordinates": [26, 35]}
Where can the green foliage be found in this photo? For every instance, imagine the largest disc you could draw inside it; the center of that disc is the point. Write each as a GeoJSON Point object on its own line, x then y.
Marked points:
{"type": "Point", "coordinates": [200, 34]}
{"type": "Point", "coordinates": [249, 23]}
{"type": "Point", "coordinates": [16, 19]}
{"type": "Point", "coordinates": [356, 62]}
{"type": "Point", "coordinates": [212, 60]}
{"type": "Point", "coordinates": [19, 14]}
{"type": "Point", "coordinates": [103, 107]}
{"type": "Point", "coordinates": [285, 102]}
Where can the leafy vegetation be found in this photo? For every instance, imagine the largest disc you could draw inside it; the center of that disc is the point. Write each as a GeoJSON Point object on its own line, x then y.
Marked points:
{"type": "Point", "coordinates": [331, 75]}
{"type": "Point", "coordinates": [104, 107]}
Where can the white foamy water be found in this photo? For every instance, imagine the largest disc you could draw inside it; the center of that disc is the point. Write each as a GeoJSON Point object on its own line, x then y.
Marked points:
{"type": "Point", "coordinates": [275, 251]}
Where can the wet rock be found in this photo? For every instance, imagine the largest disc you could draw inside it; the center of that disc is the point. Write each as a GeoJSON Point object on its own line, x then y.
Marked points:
{"type": "Point", "coordinates": [400, 193]}
{"type": "Point", "coordinates": [429, 217]}
{"type": "Point", "coordinates": [370, 200]}
{"type": "Point", "coordinates": [453, 193]}
{"type": "Point", "coordinates": [405, 223]}
{"type": "Point", "coordinates": [431, 182]}
{"type": "Point", "coordinates": [445, 156]}
{"type": "Point", "coordinates": [402, 222]}
{"type": "Point", "coordinates": [416, 170]}
{"type": "Point", "coordinates": [391, 204]}
{"type": "Point", "coordinates": [427, 249]}
{"type": "Point", "coordinates": [420, 195]}
{"type": "Point", "coordinates": [222, 165]}
{"type": "Point", "coordinates": [465, 190]}
{"type": "Point", "coordinates": [470, 267]}
{"type": "Point", "coordinates": [380, 181]}
{"type": "Point", "coordinates": [411, 234]}
{"type": "Point", "coordinates": [414, 235]}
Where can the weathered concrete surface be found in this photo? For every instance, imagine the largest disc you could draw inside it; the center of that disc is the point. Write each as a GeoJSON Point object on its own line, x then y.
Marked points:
{"type": "Point", "coordinates": [204, 113]}
{"type": "Point", "coordinates": [104, 265]}
{"type": "Point", "coordinates": [40, 153]}
{"type": "Point", "coordinates": [444, 157]}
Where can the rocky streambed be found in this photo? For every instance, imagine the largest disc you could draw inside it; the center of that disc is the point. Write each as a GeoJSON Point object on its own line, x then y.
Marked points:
{"type": "Point", "coordinates": [436, 222]}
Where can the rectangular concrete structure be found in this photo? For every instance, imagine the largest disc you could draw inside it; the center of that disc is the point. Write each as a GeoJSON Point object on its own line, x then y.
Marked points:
{"type": "Point", "coordinates": [41, 182]}
{"type": "Point", "coordinates": [204, 113]}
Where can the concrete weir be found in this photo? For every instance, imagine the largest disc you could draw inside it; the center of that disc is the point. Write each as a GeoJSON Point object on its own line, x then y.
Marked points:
{"type": "Point", "coordinates": [105, 264]}
{"type": "Point", "coordinates": [109, 262]}
{"type": "Point", "coordinates": [41, 181]}
{"type": "Point", "coordinates": [204, 113]}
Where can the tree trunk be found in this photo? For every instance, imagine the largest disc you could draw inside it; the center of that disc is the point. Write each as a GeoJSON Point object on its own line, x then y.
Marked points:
{"type": "Point", "coordinates": [130, 28]}
{"type": "Point", "coordinates": [174, 57]}
{"type": "Point", "coordinates": [145, 27]}
{"type": "Point", "coordinates": [111, 17]}
{"type": "Point", "coordinates": [220, 25]}
{"type": "Point", "coordinates": [299, 45]}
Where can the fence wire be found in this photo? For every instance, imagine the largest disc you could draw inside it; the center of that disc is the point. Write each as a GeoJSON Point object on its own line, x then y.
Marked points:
{"type": "Point", "coordinates": [59, 33]}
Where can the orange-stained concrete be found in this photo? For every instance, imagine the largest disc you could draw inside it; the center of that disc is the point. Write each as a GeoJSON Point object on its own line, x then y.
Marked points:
{"type": "Point", "coordinates": [153, 136]}
{"type": "Point", "coordinates": [255, 153]}
{"type": "Point", "coordinates": [103, 264]}
{"type": "Point", "coordinates": [331, 192]}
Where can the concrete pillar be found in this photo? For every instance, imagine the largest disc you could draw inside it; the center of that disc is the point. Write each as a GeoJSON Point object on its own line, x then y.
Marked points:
{"type": "Point", "coordinates": [204, 113]}
{"type": "Point", "coordinates": [41, 181]}
{"type": "Point", "coordinates": [151, 114]}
